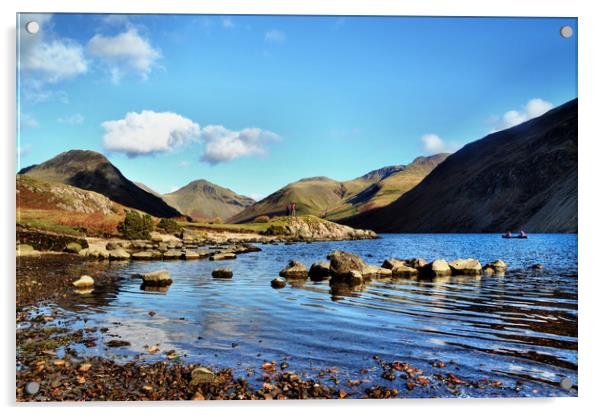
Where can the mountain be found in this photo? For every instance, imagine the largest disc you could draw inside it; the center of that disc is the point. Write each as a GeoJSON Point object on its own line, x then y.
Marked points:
{"type": "Point", "coordinates": [90, 170]}
{"type": "Point", "coordinates": [333, 200]}
{"type": "Point", "coordinates": [203, 200]}
{"type": "Point", "coordinates": [148, 189]}
{"type": "Point", "coordinates": [524, 177]}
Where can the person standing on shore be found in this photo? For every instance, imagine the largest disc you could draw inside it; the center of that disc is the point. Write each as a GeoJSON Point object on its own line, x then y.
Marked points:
{"type": "Point", "coordinates": [294, 209]}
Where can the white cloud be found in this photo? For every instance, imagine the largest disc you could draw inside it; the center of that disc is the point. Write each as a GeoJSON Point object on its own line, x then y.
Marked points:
{"type": "Point", "coordinates": [126, 52]}
{"type": "Point", "coordinates": [433, 144]}
{"type": "Point", "coordinates": [149, 132]}
{"type": "Point", "coordinates": [534, 108]}
{"type": "Point", "coordinates": [27, 121]}
{"type": "Point", "coordinates": [222, 145]}
{"type": "Point", "coordinates": [73, 119]}
{"type": "Point", "coordinates": [275, 36]}
{"type": "Point", "coordinates": [48, 59]}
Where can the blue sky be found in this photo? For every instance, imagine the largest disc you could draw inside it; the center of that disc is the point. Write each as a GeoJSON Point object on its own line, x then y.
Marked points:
{"type": "Point", "coordinates": [255, 102]}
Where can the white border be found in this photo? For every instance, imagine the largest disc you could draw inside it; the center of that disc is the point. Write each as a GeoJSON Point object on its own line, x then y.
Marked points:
{"type": "Point", "coordinates": [590, 71]}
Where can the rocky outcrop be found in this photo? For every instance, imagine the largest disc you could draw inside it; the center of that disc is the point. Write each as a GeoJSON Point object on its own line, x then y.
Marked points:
{"type": "Point", "coordinates": [495, 267]}
{"type": "Point", "coordinates": [278, 283]}
{"type": "Point", "coordinates": [316, 229]}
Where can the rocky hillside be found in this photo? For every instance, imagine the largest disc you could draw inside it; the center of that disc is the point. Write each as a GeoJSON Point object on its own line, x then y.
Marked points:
{"type": "Point", "coordinates": [524, 177]}
{"type": "Point", "coordinates": [90, 170]}
{"type": "Point", "coordinates": [334, 200]}
{"type": "Point", "coordinates": [35, 194]}
{"type": "Point", "coordinates": [203, 200]}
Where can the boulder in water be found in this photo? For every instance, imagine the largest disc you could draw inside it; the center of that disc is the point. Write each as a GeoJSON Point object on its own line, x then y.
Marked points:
{"type": "Point", "coordinates": [295, 270]}
{"type": "Point", "coordinates": [222, 273]}
{"type": "Point", "coordinates": [404, 271]}
{"type": "Point", "coordinates": [437, 268]}
{"type": "Point", "coordinates": [159, 278]}
{"type": "Point", "coordinates": [119, 254]}
{"type": "Point", "coordinates": [278, 283]}
{"type": "Point", "coordinates": [342, 263]}
{"type": "Point", "coordinates": [84, 281]}
{"type": "Point", "coordinates": [222, 256]}
{"type": "Point", "coordinates": [468, 266]}
{"type": "Point", "coordinates": [319, 271]}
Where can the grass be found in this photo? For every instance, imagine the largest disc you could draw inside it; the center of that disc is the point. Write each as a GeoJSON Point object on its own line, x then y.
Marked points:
{"type": "Point", "coordinates": [248, 227]}
{"type": "Point", "coordinates": [69, 223]}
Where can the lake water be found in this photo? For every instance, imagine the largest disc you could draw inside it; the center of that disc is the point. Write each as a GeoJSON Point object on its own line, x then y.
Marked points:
{"type": "Point", "coordinates": [522, 326]}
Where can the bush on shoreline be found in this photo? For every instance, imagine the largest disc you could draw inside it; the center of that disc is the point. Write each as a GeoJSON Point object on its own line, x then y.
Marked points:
{"type": "Point", "coordinates": [169, 226]}
{"type": "Point", "coordinates": [136, 226]}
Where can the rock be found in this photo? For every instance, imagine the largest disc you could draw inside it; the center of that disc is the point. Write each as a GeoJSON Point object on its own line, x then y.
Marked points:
{"type": "Point", "coordinates": [32, 388]}
{"type": "Point", "coordinates": [156, 278]}
{"type": "Point", "coordinates": [495, 267]}
{"type": "Point", "coordinates": [372, 271]}
{"type": "Point", "coordinates": [319, 271]}
{"type": "Point", "coordinates": [172, 254]}
{"type": "Point", "coordinates": [278, 283]}
{"type": "Point", "coordinates": [393, 263]}
{"type": "Point", "coordinates": [416, 263]}
{"type": "Point", "coordinates": [95, 252]}
{"type": "Point", "coordinates": [437, 268]}
{"type": "Point", "coordinates": [143, 255]}
{"type": "Point", "coordinates": [354, 277]}
{"type": "Point", "coordinates": [468, 266]}
{"type": "Point", "coordinates": [537, 267]}
{"type": "Point", "coordinates": [342, 263]}
{"type": "Point", "coordinates": [84, 281]}
{"type": "Point", "coordinates": [201, 375]}
{"type": "Point", "coordinates": [404, 271]}
{"type": "Point", "coordinates": [73, 247]}
{"type": "Point", "coordinates": [190, 254]}
{"type": "Point", "coordinates": [112, 245]}
{"type": "Point", "coordinates": [222, 256]}
{"type": "Point", "coordinates": [117, 343]}
{"type": "Point", "coordinates": [27, 250]}
{"type": "Point", "coordinates": [294, 270]}
{"type": "Point", "coordinates": [119, 254]}
{"type": "Point", "coordinates": [222, 273]}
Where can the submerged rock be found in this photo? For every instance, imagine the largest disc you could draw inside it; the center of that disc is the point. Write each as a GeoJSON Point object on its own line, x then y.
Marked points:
{"type": "Point", "coordinates": [468, 266]}
{"type": "Point", "coordinates": [294, 270]}
{"type": "Point", "coordinates": [319, 271]}
{"type": "Point", "coordinates": [84, 281]}
{"type": "Point", "coordinates": [278, 283]}
{"type": "Point", "coordinates": [222, 273]}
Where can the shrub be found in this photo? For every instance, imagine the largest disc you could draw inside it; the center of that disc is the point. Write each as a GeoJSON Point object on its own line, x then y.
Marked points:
{"type": "Point", "coordinates": [135, 226]}
{"type": "Point", "coordinates": [169, 225]}
{"type": "Point", "coordinates": [262, 219]}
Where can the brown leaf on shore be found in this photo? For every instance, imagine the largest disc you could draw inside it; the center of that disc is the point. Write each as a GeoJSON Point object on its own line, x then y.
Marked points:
{"type": "Point", "coordinates": [455, 380]}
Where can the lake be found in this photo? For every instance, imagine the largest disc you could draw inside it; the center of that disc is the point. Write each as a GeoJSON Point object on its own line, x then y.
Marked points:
{"type": "Point", "coordinates": [518, 327]}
